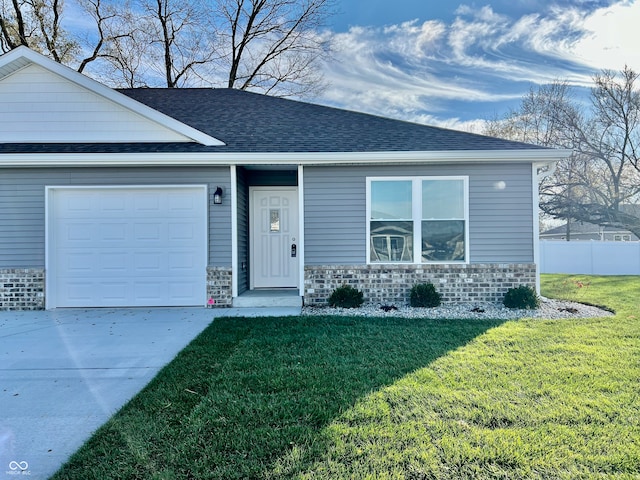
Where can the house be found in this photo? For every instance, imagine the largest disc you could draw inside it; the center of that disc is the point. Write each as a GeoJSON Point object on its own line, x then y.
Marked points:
{"type": "Point", "coordinates": [588, 231]}
{"type": "Point", "coordinates": [164, 197]}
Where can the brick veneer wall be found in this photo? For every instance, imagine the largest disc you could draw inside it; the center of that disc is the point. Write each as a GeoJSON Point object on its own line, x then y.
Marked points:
{"type": "Point", "coordinates": [219, 286]}
{"type": "Point", "coordinates": [391, 284]}
{"type": "Point", "coordinates": [22, 289]}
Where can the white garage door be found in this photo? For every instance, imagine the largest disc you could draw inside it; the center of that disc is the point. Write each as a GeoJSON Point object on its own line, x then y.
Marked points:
{"type": "Point", "coordinates": [133, 246]}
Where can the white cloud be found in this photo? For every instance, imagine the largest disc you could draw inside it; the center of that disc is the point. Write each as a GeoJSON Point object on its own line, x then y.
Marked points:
{"type": "Point", "coordinates": [611, 37]}
{"type": "Point", "coordinates": [414, 70]}
{"type": "Point", "coordinates": [397, 69]}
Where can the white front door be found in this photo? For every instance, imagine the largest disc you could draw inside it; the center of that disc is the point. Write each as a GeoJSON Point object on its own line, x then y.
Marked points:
{"type": "Point", "coordinates": [274, 237]}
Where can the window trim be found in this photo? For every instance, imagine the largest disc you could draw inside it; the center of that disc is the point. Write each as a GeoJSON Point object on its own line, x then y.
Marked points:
{"type": "Point", "coordinates": [416, 207]}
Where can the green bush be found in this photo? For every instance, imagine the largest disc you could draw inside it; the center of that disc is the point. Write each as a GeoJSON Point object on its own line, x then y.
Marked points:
{"type": "Point", "coordinates": [424, 295]}
{"type": "Point", "coordinates": [346, 297]}
{"type": "Point", "coordinates": [521, 297]}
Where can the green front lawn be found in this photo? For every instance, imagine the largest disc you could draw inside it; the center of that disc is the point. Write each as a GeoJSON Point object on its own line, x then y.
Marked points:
{"type": "Point", "coordinates": [332, 397]}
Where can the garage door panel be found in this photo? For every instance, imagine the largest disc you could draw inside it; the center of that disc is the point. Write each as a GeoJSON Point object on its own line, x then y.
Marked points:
{"type": "Point", "coordinates": [92, 234]}
{"type": "Point", "coordinates": [112, 232]}
{"type": "Point", "coordinates": [77, 293]}
{"type": "Point", "coordinates": [110, 203]}
{"type": "Point", "coordinates": [114, 291]}
{"type": "Point", "coordinates": [149, 232]}
{"type": "Point", "coordinates": [78, 263]}
{"type": "Point", "coordinates": [146, 262]}
{"type": "Point", "coordinates": [87, 264]}
{"type": "Point", "coordinates": [81, 294]}
{"type": "Point", "coordinates": [181, 262]}
{"type": "Point", "coordinates": [76, 204]}
{"type": "Point", "coordinates": [181, 291]}
{"type": "Point", "coordinates": [114, 263]}
{"type": "Point", "coordinates": [180, 202]}
{"type": "Point", "coordinates": [129, 246]}
{"type": "Point", "coordinates": [150, 291]}
{"type": "Point", "coordinates": [181, 231]}
{"type": "Point", "coordinates": [78, 232]}
{"type": "Point", "coordinates": [147, 203]}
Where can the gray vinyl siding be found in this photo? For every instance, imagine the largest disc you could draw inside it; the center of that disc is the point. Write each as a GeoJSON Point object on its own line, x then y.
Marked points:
{"type": "Point", "coordinates": [243, 231]}
{"type": "Point", "coordinates": [21, 222]}
{"type": "Point", "coordinates": [500, 220]}
{"type": "Point", "coordinates": [334, 215]}
{"type": "Point", "coordinates": [22, 205]}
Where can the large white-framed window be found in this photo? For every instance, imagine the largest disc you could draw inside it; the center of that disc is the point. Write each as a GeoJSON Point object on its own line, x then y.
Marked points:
{"type": "Point", "coordinates": [418, 219]}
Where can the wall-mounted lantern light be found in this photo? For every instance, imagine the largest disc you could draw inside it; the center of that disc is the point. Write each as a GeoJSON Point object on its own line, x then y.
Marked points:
{"type": "Point", "coordinates": [217, 196]}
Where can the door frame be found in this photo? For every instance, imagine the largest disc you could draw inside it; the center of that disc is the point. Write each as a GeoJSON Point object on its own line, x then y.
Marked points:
{"type": "Point", "coordinates": [299, 237]}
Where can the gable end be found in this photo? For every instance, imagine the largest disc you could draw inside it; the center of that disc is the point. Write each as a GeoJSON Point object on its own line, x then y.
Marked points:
{"type": "Point", "coordinates": [42, 101]}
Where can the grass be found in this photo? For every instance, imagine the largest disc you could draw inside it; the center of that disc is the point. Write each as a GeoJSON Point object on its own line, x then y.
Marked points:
{"type": "Point", "coordinates": [332, 397]}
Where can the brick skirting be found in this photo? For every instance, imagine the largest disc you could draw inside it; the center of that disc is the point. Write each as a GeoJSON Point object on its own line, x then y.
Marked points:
{"type": "Point", "coordinates": [391, 284]}
{"type": "Point", "coordinates": [219, 288]}
{"type": "Point", "coordinates": [22, 289]}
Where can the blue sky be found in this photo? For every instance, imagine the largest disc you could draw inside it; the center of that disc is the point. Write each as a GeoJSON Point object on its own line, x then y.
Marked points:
{"type": "Point", "coordinates": [456, 63]}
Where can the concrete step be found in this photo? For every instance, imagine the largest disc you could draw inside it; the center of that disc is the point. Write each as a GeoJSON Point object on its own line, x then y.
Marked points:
{"type": "Point", "coordinates": [268, 298]}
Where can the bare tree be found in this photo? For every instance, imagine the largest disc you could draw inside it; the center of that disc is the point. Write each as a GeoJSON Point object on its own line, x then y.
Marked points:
{"type": "Point", "coordinates": [600, 183]}
{"type": "Point", "coordinates": [126, 54]}
{"type": "Point", "coordinates": [176, 34]}
{"type": "Point", "coordinates": [272, 45]}
{"type": "Point", "coordinates": [37, 24]}
{"type": "Point", "coordinates": [267, 45]}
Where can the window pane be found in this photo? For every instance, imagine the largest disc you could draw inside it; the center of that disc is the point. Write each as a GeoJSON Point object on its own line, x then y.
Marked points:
{"type": "Point", "coordinates": [391, 200]}
{"type": "Point", "coordinates": [442, 199]}
{"type": "Point", "coordinates": [443, 241]}
{"type": "Point", "coordinates": [391, 241]}
{"type": "Point", "coordinates": [274, 217]}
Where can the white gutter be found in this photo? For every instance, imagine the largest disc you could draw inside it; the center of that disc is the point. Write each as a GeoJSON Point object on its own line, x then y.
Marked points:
{"type": "Point", "coordinates": [287, 158]}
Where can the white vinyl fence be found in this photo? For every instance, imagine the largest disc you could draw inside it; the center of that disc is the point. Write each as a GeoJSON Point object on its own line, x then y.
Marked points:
{"type": "Point", "coordinates": [590, 257]}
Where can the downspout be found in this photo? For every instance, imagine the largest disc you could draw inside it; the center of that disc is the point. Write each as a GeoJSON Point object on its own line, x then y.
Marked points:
{"type": "Point", "coordinates": [540, 172]}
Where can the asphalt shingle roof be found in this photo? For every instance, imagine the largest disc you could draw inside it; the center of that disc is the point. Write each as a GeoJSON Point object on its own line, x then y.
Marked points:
{"type": "Point", "coordinates": [254, 123]}
{"type": "Point", "coordinates": [250, 122]}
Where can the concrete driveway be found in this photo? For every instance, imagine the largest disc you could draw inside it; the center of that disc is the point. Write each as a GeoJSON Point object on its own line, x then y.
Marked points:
{"type": "Point", "coordinates": [63, 373]}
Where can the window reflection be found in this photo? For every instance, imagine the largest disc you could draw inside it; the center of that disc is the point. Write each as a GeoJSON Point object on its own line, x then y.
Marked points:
{"type": "Point", "coordinates": [391, 241]}
{"type": "Point", "coordinates": [391, 200]}
{"type": "Point", "coordinates": [443, 240]}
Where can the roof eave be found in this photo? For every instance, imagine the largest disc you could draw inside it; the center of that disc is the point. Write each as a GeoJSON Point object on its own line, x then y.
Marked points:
{"type": "Point", "coordinates": [537, 156]}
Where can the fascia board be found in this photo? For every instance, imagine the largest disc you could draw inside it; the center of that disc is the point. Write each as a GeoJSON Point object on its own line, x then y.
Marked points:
{"type": "Point", "coordinates": [332, 158]}
{"type": "Point", "coordinates": [108, 93]}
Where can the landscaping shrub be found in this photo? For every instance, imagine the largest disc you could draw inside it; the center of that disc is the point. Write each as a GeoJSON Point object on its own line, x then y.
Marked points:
{"type": "Point", "coordinates": [521, 297]}
{"type": "Point", "coordinates": [424, 295]}
{"type": "Point", "coordinates": [346, 297]}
